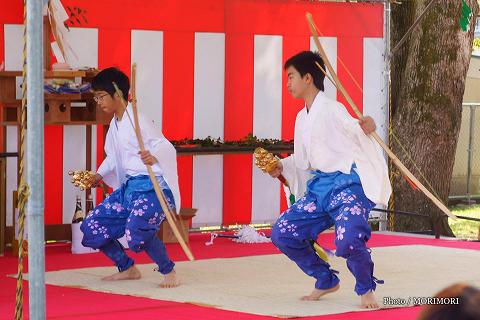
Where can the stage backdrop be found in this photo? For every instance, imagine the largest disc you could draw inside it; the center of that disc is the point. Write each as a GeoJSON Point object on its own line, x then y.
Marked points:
{"type": "Point", "coordinates": [205, 68]}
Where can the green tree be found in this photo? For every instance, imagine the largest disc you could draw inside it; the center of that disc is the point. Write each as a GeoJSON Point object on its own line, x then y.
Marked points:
{"type": "Point", "coordinates": [428, 82]}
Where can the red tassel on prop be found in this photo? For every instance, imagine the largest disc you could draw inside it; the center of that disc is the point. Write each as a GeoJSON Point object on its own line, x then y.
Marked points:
{"type": "Point", "coordinates": [410, 182]}
{"type": "Point", "coordinates": [282, 179]}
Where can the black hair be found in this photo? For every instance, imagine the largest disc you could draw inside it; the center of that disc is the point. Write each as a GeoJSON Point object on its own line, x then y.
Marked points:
{"type": "Point", "coordinates": [304, 62]}
{"type": "Point", "coordinates": [465, 306]}
{"type": "Point", "coordinates": [103, 81]}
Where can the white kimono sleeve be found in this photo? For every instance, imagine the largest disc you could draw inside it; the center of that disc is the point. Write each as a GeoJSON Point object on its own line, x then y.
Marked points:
{"type": "Point", "coordinates": [108, 167]}
{"type": "Point", "coordinates": [371, 165]}
{"type": "Point", "coordinates": [165, 154]}
{"type": "Point", "coordinates": [296, 178]}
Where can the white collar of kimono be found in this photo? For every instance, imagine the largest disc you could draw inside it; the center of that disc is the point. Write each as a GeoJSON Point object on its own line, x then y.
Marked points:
{"type": "Point", "coordinates": [128, 109]}
{"type": "Point", "coordinates": [316, 101]}
{"type": "Point", "coordinates": [310, 117]}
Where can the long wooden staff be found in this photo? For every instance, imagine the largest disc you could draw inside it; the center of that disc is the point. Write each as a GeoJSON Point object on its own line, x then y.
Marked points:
{"type": "Point", "coordinates": [161, 197]}
{"type": "Point", "coordinates": [375, 136]}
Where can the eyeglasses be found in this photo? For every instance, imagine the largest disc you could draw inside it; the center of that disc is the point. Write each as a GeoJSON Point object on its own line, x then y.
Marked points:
{"type": "Point", "coordinates": [98, 99]}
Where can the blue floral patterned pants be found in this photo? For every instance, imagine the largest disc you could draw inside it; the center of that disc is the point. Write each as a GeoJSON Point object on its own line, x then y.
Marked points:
{"type": "Point", "coordinates": [345, 206]}
{"type": "Point", "coordinates": [133, 210]}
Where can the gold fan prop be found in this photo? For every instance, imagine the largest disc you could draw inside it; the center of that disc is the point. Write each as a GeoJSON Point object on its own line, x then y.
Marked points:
{"type": "Point", "coordinates": [267, 162]}
{"type": "Point", "coordinates": [82, 179]}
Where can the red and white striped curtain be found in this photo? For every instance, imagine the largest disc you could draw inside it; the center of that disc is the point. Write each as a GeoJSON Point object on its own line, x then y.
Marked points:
{"type": "Point", "coordinates": [205, 68]}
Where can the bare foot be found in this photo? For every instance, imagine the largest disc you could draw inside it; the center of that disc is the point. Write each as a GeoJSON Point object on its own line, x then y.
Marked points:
{"type": "Point", "coordinates": [131, 273]}
{"type": "Point", "coordinates": [368, 301]}
{"type": "Point", "coordinates": [171, 280]}
{"type": "Point", "coordinates": [318, 293]}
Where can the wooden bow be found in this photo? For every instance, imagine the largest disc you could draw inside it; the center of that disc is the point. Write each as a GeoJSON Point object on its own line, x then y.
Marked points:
{"type": "Point", "coordinates": [375, 136]}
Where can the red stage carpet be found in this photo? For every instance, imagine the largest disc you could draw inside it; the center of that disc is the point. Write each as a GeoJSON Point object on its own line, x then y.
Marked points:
{"type": "Point", "coordinates": [73, 303]}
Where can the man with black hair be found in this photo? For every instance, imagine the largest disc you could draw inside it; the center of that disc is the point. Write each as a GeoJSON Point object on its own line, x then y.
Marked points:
{"type": "Point", "coordinates": [337, 174]}
{"type": "Point", "coordinates": [133, 208]}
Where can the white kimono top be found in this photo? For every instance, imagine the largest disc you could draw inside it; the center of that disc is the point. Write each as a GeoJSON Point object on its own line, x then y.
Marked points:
{"type": "Point", "coordinates": [122, 149]}
{"type": "Point", "coordinates": [328, 139]}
